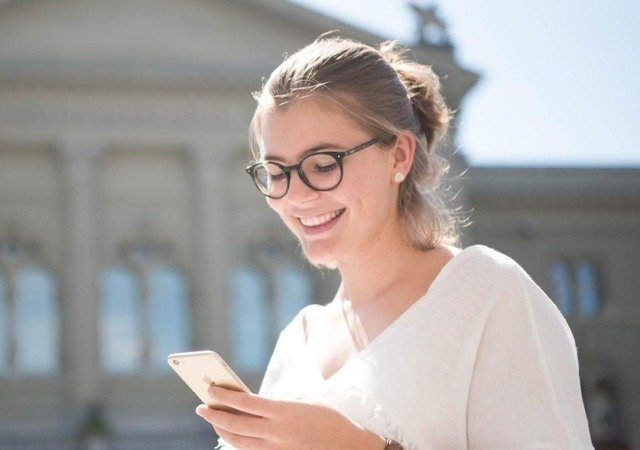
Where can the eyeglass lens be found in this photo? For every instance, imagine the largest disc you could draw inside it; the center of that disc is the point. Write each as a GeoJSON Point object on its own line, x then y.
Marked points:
{"type": "Point", "coordinates": [322, 172]}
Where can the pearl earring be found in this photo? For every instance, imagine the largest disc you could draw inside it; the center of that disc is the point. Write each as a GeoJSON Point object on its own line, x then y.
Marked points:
{"type": "Point", "coordinates": [399, 177]}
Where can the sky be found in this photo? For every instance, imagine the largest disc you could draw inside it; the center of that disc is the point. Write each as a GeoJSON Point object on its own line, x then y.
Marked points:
{"type": "Point", "coordinates": [560, 80]}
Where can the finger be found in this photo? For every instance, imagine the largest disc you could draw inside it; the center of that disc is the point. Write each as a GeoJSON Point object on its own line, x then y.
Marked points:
{"type": "Point", "coordinates": [241, 424]}
{"type": "Point", "coordinates": [242, 401]}
{"type": "Point", "coordinates": [239, 441]}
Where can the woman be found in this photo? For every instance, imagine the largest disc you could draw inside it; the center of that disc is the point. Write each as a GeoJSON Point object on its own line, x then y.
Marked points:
{"type": "Point", "coordinates": [425, 345]}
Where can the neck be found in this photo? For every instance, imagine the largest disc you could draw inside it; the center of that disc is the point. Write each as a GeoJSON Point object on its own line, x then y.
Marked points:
{"type": "Point", "coordinates": [368, 274]}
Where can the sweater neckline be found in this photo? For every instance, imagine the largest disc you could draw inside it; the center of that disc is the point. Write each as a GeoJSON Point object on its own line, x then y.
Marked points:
{"type": "Point", "coordinates": [388, 332]}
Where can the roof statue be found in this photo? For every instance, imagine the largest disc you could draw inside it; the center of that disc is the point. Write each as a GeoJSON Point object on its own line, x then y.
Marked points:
{"type": "Point", "coordinates": [431, 29]}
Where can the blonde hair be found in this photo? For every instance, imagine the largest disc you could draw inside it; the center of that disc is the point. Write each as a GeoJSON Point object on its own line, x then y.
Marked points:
{"type": "Point", "coordinates": [384, 92]}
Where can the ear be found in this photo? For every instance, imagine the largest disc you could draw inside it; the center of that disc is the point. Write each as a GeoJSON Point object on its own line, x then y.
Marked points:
{"type": "Point", "coordinates": [404, 152]}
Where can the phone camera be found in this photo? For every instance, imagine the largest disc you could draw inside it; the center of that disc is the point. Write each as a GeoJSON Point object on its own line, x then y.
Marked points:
{"type": "Point", "coordinates": [176, 362]}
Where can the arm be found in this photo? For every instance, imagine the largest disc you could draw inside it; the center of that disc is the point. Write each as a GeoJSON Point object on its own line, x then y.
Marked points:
{"type": "Point", "coordinates": [525, 387]}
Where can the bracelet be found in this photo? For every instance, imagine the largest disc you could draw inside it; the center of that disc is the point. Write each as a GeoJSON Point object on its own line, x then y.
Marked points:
{"type": "Point", "coordinates": [390, 444]}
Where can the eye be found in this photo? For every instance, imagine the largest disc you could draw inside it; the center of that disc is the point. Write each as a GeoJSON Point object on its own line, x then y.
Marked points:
{"type": "Point", "coordinates": [269, 173]}
{"type": "Point", "coordinates": [277, 176]}
{"type": "Point", "coordinates": [320, 163]}
{"type": "Point", "coordinates": [326, 167]}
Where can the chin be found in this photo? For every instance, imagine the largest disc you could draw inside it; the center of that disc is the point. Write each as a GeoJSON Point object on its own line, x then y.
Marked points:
{"type": "Point", "coordinates": [320, 257]}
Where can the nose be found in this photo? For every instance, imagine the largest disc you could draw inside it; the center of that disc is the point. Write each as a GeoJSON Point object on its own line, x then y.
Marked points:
{"type": "Point", "coordinates": [299, 192]}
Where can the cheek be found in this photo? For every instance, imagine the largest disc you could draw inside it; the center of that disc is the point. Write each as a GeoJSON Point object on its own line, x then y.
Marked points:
{"type": "Point", "coordinates": [368, 190]}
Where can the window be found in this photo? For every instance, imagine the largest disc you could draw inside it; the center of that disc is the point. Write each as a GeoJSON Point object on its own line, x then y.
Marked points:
{"type": "Point", "coordinates": [250, 324]}
{"type": "Point", "coordinates": [168, 314]}
{"type": "Point", "coordinates": [587, 284]}
{"type": "Point", "coordinates": [36, 317]}
{"type": "Point", "coordinates": [145, 313]}
{"type": "Point", "coordinates": [29, 314]}
{"type": "Point", "coordinates": [264, 299]}
{"type": "Point", "coordinates": [563, 287]}
{"type": "Point", "coordinates": [293, 291]}
{"type": "Point", "coordinates": [577, 286]}
{"type": "Point", "coordinates": [4, 326]}
{"type": "Point", "coordinates": [121, 320]}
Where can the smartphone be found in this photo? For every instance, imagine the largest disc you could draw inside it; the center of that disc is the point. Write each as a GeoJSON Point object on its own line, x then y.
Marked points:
{"type": "Point", "coordinates": [201, 369]}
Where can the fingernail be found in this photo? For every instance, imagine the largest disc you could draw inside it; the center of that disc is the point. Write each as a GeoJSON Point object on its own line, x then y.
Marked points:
{"type": "Point", "coordinates": [199, 410]}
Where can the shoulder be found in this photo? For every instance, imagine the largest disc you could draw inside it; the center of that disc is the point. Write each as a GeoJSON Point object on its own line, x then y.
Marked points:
{"type": "Point", "coordinates": [497, 281]}
{"type": "Point", "coordinates": [518, 296]}
{"type": "Point", "coordinates": [292, 336]}
{"type": "Point", "coordinates": [304, 319]}
{"type": "Point", "coordinates": [508, 270]}
{"type": "Point", "coordinates": [485, 267]}
{"type": "Point", "coordinates": [490, 258]}
{"type": "Point", "coordinates": [309, 313]}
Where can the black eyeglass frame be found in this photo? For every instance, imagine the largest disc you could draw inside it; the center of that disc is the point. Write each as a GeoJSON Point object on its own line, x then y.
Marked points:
{"type": "Point", "coordinates": [338, 156]}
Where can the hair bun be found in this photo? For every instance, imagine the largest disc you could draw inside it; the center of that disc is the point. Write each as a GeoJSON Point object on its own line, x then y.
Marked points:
{"type": "Point", "coordinates": [423, 90]}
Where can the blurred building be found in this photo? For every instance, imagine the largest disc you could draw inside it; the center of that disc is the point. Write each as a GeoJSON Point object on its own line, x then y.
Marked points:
{"type": "Point", "coordinates": [576, 231]}
{"type": "Point", "coordinates": [129, 230]}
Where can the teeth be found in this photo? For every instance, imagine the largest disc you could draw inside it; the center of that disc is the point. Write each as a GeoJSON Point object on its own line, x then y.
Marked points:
{"type": "Point", "coordinates": [319, 220]}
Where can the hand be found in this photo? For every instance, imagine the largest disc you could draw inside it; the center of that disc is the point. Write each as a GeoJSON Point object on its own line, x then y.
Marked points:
{"type": "Point", "coordinates": [264, 423]}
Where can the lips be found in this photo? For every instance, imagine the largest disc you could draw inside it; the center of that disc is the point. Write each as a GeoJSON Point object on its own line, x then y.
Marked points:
{"type": "Point", "coordinates": [320, 224]}
{"type": "Point", "coordinates": [320, 219]}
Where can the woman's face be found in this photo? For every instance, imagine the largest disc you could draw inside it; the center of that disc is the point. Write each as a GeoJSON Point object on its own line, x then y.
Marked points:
{"type": "Point", "coordinates": [341, 223]}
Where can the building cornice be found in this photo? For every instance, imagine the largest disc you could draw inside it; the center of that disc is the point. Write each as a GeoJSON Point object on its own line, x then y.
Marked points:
{"type": "Point", "coordinates": [567, 188]}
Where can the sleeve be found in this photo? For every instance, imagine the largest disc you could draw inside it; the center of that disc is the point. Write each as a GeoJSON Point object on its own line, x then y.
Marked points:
{"type": "Point", "coordinates": [525, 388]}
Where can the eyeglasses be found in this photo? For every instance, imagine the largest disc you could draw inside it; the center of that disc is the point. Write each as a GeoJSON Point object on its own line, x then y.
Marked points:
{"type": "Point", "coordinates": [321, 171]}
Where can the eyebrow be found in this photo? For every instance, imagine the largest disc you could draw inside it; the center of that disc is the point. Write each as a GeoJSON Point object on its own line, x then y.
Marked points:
{"type": "Point", "coordinates": [315, 148]}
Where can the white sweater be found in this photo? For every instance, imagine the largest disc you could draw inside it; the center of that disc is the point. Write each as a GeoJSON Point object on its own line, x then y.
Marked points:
{"type": "Point", "coordinates": [484, 360]}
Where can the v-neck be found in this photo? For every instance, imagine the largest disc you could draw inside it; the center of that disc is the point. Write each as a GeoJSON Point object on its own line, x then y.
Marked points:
{"type": "Point", "coordinates": [384, 334]}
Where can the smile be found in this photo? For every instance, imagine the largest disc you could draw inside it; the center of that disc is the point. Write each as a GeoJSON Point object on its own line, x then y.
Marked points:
{"type": "Point", "coordinates": [321, 219]}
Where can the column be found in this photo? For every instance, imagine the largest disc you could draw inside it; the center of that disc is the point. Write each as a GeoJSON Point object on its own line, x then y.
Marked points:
{"type": "Point", "coordinates": [210, 298]}
{"type": "Point", "coordinates": [80, 294]}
